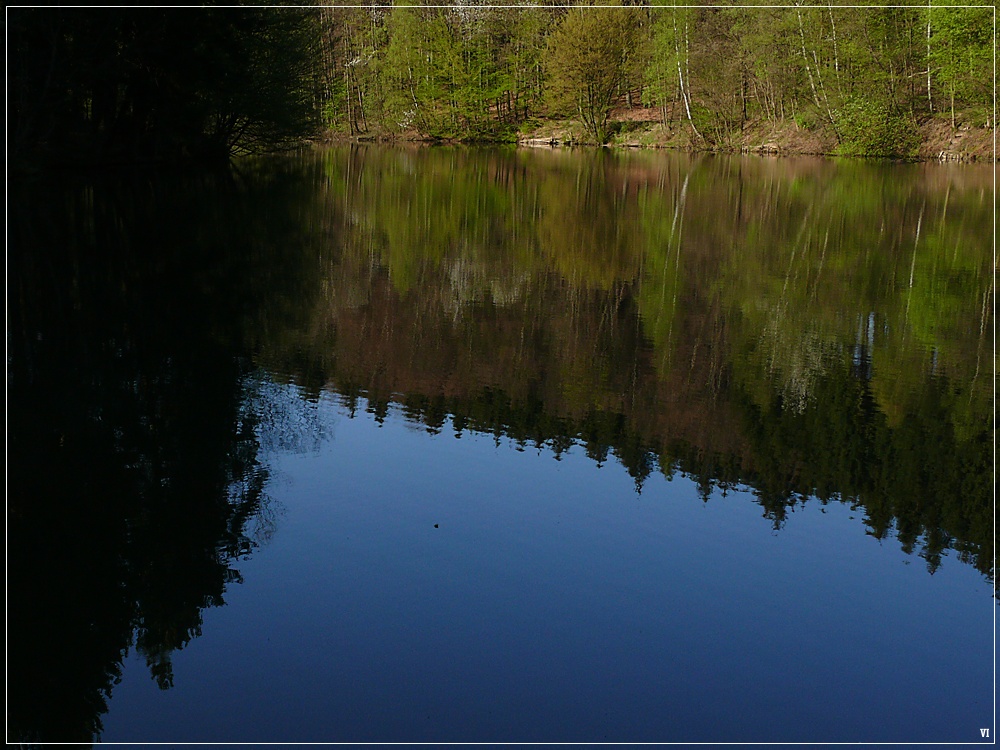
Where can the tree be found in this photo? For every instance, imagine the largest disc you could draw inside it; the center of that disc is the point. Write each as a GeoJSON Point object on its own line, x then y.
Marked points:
{"type": "Point", "coordinates": [960, 45]}
{"type": "Point", "coordinates": [588, 56]}
{"type": "Point", "coordinates": [523, 56]}
{"type": "Point", "coordinates": [353, 42]}
{"type": "Point", "coordinates": [148, 84]}
{"type": "Point", "coordinates": [881, 61]}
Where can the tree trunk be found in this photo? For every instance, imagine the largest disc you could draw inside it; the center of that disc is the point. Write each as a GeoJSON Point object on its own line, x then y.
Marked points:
{"type": "Point", "coordinates": [805, 59]}
{"type": "Point", "coordinates": [930, 100]}
{"type": "Point", "coordinates": [680, 77]}
{"type": "Point", "coordinates": [836, 52]}
{"type": "Point", "coordinates": [347, 102]}
{"type": "Point", "coordinates": [361, 108]}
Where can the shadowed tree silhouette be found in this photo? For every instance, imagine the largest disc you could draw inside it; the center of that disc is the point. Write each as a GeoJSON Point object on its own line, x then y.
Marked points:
{"type": "Point", "coordinates": [127, 85]}
{"type": "Point", "coordinates": [135, 481]}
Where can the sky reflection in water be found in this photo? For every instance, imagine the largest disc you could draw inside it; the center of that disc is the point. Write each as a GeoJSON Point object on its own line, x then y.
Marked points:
{"type": "Point", "coordinates": [479, 592]}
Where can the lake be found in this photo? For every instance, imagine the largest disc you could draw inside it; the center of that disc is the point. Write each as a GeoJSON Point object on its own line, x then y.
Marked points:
{"type": "Point", "coordinates": [494, 445]}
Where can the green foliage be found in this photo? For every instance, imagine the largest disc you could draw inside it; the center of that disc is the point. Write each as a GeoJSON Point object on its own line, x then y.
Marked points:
{"type": "Point", "coordinates": [871, 128]}
{"type": "Point", "coordinates": [665, 53]}
{"type": "Point", "coordinates": [99, 85]}
{"type": "Point", "coordinates": [962, 57]}
{"type": "Point", "coordinates": [353, 42]}
{"type": "Point", "coordinates": [588, 55]}
{"type": "Point", "coordinates": [460, 73]}
{"type": "Point", "coordinates": [808, 118]}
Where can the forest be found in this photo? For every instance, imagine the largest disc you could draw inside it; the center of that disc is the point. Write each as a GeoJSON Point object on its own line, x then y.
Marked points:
{"type": "Point", "coordinates": [868, 77]}
{"type": "Point", "coordinates": [106, 85]}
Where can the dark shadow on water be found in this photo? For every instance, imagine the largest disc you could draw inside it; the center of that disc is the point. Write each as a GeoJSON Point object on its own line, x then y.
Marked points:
{"type": "Point", "coordinates": [134, 481]}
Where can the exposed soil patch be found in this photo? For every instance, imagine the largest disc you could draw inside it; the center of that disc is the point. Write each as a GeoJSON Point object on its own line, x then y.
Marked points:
{"type": "Point", "coordinates": [939, 141]}
{"type": "Point", "coordinates": [637, 114]}
{"type": "Point", "coordinates": [786, 138]}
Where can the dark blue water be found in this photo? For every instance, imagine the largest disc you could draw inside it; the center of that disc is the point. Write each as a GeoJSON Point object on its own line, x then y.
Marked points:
{"type": "Point", "coordinates": [480, 593]}
{"type": "Point", "coordinates": [294, 469]}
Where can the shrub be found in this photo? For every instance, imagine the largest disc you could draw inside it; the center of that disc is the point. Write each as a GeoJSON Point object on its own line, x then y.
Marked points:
{"type": "Point", "coordinates": [871, 128]}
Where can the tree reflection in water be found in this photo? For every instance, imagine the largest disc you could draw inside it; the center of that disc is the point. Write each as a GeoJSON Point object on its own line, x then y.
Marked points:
{"type": "Point", "coordinates": [135, 484]}
{"type": "Point", "coordinates": [812, 331]}
{"type": "Point", "coordinates": [804, 328]}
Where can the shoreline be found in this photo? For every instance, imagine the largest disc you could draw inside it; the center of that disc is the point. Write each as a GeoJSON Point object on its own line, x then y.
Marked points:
{"type": "Point", "coordinates": [938, 141]}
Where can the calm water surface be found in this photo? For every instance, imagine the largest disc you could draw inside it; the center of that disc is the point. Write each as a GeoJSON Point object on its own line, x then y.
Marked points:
{"type": "Point", "coordinates": [482, 445]}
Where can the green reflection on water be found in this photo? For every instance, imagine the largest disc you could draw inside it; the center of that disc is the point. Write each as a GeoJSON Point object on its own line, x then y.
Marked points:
{"type": "Point", "coordinates": [803, 326]}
